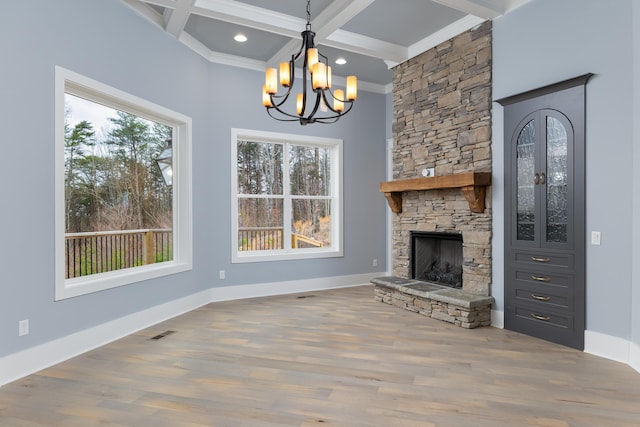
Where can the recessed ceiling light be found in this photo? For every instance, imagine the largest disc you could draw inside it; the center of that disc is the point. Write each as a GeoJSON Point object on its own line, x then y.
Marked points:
{"type": "Point", "coordinates": [341, 61]}
{"type": "Point", "coordinates": [241, 38]}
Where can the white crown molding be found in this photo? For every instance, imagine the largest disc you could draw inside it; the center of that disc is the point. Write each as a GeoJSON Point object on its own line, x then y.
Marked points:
{"type": "Point", "coordinates": [146, 12]}
{"type": "Point", "coordinates": [448, 32]}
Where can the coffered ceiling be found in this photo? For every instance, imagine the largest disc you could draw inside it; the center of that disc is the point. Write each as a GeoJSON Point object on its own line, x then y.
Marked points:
{"type": "Point", "coordinates": [371, 35]}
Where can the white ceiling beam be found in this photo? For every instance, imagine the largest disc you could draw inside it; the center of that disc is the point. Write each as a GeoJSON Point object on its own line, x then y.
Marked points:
{"type": "Point", "coordinates": [250, 16]}
{"type": "Point", "coordinates": [179, 17]}
{"type": "Point", "coordinates": [334, 16]}
{"type": "Point", "coordinates": [487, 9]}
{"type": "Point", "coordinates": [368, 46]}
{"type": "Point", "coordinates": [338, 13]}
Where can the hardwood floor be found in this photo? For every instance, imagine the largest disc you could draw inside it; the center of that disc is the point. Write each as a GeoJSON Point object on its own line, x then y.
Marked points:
{"type": "Point", "coordinates": [333, 358]}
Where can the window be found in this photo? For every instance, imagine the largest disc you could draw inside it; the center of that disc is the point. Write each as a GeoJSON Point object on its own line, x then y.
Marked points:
{"type": "Point", "coordinates": [286, 196]}
{"type": "Point", "coordinates": [123, 188]}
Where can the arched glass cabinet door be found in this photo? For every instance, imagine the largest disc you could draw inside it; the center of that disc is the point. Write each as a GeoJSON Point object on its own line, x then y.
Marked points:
{"type": "Point", "coordinates": [556, 180]}
{"type": "Point", "coordinates": [543, 174]}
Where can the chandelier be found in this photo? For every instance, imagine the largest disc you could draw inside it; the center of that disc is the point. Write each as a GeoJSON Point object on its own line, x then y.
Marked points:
{"type": "Point", "coordinates": [328, 106]}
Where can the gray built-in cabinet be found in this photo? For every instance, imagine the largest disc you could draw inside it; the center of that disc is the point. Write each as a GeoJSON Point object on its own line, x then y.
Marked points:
{"type": "Point", "coordinates": [544, 131]}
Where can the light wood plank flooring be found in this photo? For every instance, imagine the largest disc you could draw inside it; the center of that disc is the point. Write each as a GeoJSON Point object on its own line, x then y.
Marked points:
{"type": "Point", "coordinates": [331, 358]}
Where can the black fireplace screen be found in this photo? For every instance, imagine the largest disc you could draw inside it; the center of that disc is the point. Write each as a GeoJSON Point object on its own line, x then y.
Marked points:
{"type": "Point", "coordinates": [437, 257]}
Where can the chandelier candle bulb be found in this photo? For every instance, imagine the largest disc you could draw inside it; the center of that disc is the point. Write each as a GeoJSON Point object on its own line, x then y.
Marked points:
{"type": "Point", "coordinates": [266, 99]}
{"type": "Point", "coordinates": [285, 76]}
{"type": "Point", "coordinates": [300, 104]}
{"type": "Point", "coordinates": [352, 88]}
{"type": "Point", "coordinates": [338, 101]}
{"type": "Point", "coordinates": [312, 57]}
{"type": "Point", "coordinates": [319, 73]}
{"type": "Point", "coordinates": [271, 81]}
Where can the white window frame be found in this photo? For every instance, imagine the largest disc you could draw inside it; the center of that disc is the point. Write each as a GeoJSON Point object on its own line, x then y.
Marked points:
{"type": "Point", "coordinates": [67, 81]}
{"type": "Point", "coordinates": [335, 147]}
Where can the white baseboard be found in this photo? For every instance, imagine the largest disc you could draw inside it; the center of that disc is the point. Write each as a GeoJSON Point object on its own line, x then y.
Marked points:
{"type": "Point", "coordinates": [34, 359]}
{"type": "Point", "coordinates": [289, 287]}
{"type": "Point", "coordinates": [17, 365]}
{"type": "Point", "coordinates": [634, 356]}
{"type": "Point", "coordinates": [497, 319]}
{"type": "Point", "coordinates": [607, 346]}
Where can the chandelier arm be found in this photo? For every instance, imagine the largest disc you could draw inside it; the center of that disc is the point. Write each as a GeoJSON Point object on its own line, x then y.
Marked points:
{"type": "Point", "coordinates": [315, 107]}
{"type": "Point", "coordinates": [295, 119]}
{"type": "Point", "coordinates": [284, 98]}
{"type": "Point", "coordinates": [295, 56]}
{"type": "Point", "coordinates": [338, 114]}
{"type": "Point", "coordinates": [284, 113]}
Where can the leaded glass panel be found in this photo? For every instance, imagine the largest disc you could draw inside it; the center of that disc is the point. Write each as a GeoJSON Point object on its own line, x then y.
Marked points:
{"type": "Point", "coordinates": [525, 170]}
{"type": "Point", "coordinates": [556, 181]}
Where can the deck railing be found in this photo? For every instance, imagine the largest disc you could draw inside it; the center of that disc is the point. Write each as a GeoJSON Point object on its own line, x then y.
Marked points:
{"type": "Point", "coordinates": [102, 251]}
{"type": "Point", "coordinates": [266, 238]}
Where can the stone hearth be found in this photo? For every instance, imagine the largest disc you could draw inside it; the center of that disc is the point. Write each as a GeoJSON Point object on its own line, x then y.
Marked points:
{"type": "Point", "coordinates": [438, 302]}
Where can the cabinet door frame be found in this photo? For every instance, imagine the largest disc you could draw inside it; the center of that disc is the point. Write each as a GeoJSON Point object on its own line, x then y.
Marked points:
{"type": "Point", "coordinates": [568, 98]}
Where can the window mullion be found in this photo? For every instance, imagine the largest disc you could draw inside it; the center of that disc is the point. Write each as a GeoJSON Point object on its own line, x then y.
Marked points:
{"type": "Point", "coordinates": [287, 208]}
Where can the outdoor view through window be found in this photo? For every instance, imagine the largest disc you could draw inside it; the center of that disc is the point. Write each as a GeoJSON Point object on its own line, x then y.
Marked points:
{"type": "Point", "coordinates": [118, 201]}
{"type": "Point", "coordinates": [283, 183]}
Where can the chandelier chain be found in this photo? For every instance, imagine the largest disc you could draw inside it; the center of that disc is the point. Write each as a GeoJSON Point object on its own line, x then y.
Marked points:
{"type": "Point", "coordinates": [308, 15]}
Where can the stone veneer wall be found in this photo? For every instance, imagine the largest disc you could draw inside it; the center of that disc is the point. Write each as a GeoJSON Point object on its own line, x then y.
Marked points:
{"type": "Point", "coordinates": [442, 119]}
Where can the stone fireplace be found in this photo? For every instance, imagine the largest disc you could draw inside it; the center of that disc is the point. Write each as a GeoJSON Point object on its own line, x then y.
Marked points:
{"type": "Point", "coordinates": [442, 120]}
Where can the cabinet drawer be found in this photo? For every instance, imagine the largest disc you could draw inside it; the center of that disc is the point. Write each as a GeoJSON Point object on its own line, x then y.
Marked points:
{"type": "Point", "coordinates": [531, 315]}
{"type": "Point", "coordinates": [544, 259]}
{"type": "Point", "coordinates": [543, 297]}
{"type": "Point", "coordinates": [544, 279]}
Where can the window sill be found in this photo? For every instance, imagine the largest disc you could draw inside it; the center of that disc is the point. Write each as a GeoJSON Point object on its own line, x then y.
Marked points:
{"type": "Point", "coordinates": [99, 282]}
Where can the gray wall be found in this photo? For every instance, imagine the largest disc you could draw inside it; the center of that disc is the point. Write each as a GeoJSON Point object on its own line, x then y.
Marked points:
{"type": "Point", "coordinates": [635, 299]}
{"type": "Point", "coordinates": [108, 42]}
{"type": "Point", "coordinates": [547, 41]}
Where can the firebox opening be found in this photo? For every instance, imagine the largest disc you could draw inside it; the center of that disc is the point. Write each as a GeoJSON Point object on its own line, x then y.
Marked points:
{"type": "Point", "coordinates": [437, 258]}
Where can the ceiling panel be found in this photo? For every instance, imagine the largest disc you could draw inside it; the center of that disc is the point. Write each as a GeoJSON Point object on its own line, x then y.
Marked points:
{"type": "Point", "coordinates": [403, 22]}
{"type": "Point", "coordinates": [297, 8]}
{"type": "Point", "coordinates": [366, 68]}
{"type": "Point", "coordinates": [218, 37]}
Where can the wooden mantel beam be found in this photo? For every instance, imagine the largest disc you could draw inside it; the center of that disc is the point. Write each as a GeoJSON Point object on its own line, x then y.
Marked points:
{"type": "Point", "coordinates": [473, 185]}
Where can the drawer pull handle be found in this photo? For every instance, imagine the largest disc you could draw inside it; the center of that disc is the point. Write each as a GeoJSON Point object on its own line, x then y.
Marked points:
{"type": "Point", "coordinates": [536, 259]}
{"type": "Point", "coordinates": [538, 317]}
{"type": "Point", "coordinates": [540, 297]}
{"type": "Point", "coordinates": [540, 279]}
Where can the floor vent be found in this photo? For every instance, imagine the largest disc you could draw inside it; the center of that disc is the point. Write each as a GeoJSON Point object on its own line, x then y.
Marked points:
{"type": "Point", "coordinates": [162, 335]}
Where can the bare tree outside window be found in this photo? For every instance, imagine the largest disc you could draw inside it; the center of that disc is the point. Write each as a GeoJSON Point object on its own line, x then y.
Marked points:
{"type": "Point", "coordinates": [285, 195]}
{"type": "Point", "coordinates": [118, 209]}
